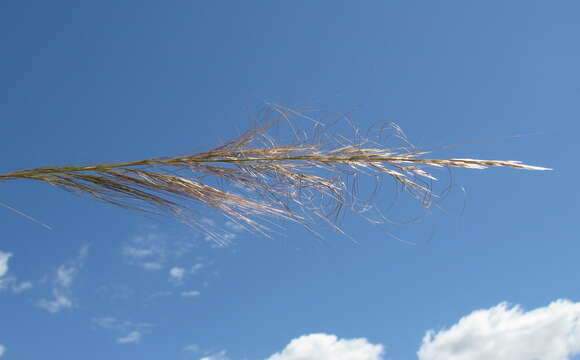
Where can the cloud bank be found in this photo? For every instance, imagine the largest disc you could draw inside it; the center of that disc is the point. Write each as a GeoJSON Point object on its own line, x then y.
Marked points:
{"type": "Point", "coordinates": [504, 333]}
{"type": "Point", "coordinates": [329, 347]}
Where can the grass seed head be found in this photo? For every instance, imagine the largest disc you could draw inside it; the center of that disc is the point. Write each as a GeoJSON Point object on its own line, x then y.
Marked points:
{"type": "Point", "coordinates": [304, 180]}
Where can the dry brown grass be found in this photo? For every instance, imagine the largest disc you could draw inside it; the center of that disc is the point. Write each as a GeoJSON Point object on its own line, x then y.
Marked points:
{"type": "Point", "coordinates": [305, 180]}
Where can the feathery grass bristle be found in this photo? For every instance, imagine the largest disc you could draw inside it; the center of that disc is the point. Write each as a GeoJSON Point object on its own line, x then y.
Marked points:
{"type": "Point", "coordinates": [300, 182]}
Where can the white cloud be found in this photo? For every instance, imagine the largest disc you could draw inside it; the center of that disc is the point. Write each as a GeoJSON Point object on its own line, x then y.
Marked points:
{"type": "Point", "coordinates": [217, 356]}
{"type": "Point", "coordinates": [61, 300]}
{"type": "Point", "coordinates": [234, 226]}
{"type": "Point", "coordinates": [191, 293]}
{"type": "Point", "coordinates": [329, 347]}
{"type": "Point", "coordinates": [176, 275]}
{"type": "Point", "coordinates": [148, 251]}
{"type": "Point", "coordinates": [20, 287]}
{"type": "Point", "coordinates": [222, 235]}
{"type": "Point", "coordinates": [129, 332]}
{"type": "Point", "coordinates": [191, 348]}
{"type": "Point", "coordinates": [65, 275]}
{"type": "Point", "coordinates": [4, 258]}
{"type": "Point", "coordinates": [226, 237]}
{"type": "Point", "coordinates": [2, 350]}
{"type": "Point", "coordinates": [109, 323]}
{"type": "Point", "coordinates": [11, 283]}
{"type": "Point", "coordinates": [154, 250]}
{"type": "Point", "coordinates": [158, 295]}
{"type": "Point", "coordinates": [207, 221]}
{"type": "Point", "coordinates": [62, 284]}
{"type": "Point", "coordinates": [504, 333]}
{"type": "Point", "coordinates": [132, 337]}
{"type": "Point", "coordinates": [196, 267]}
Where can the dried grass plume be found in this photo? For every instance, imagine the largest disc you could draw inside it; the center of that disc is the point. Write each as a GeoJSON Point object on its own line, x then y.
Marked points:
{"type": "Point", "coordinates": [254, 178]}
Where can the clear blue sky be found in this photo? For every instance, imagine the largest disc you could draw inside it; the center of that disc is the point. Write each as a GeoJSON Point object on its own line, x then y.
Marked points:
{"type": "Point", "coordinates": [87, 82]}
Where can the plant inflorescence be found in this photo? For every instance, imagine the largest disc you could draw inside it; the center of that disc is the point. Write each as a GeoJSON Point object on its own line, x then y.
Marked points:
{"type": "Point", "coordinates": [259, 178]}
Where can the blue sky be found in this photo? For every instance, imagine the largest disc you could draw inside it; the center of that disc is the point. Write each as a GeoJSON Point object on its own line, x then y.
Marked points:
{"type": "Point", "coordinates": [106, 81]}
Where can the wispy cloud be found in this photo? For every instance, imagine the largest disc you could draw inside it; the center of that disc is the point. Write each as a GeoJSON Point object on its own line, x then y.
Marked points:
{"type": "Point", "coordinates": [62, 284]}
{"type": "Point", "coordinates": [329, 347]}
{"type": "Point", "coordinates": [132, 337]}
{"type": "Point", "coordinates": [221, 355]}
{"type": "Point", "coordinates": [191, 348]}
{"type": "Point", "coordinates": [155, 250]}
{"type": "Point", "coordinates": [190, 294]}
{"type": "Point", "coordinates": [2, 350]}
{"type": "Point", "coordinates": [177, 274]}
{"type": "Point", "coordinates": [234, 226]}
{"type": "Point", "coordinates": [61, 299]}
{"type": "Point", "coordinates": [147, 251]}
{"type": "Point", "coordinates": [128, 332]}
{"type": "Point", "coordinates": [158, 295]}
{"type": "Point", "coordinates": [509, 333]}
{"type": "Point", "coordinates": [10, 282]}
{"type": "Point", "coordinates": [227, 233]}
{"type": "Point", "coordinates": [22, 286]}
{"type": "Point", "coordinates": [4, 258]}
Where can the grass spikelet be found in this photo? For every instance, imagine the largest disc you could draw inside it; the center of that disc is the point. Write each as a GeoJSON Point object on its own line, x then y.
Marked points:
{"type": "Point", "coordinates": [302, 181]}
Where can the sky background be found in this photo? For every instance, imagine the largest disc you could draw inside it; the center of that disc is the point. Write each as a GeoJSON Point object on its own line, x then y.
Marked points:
{"type": "Point", "coordinates": [89, 82]}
